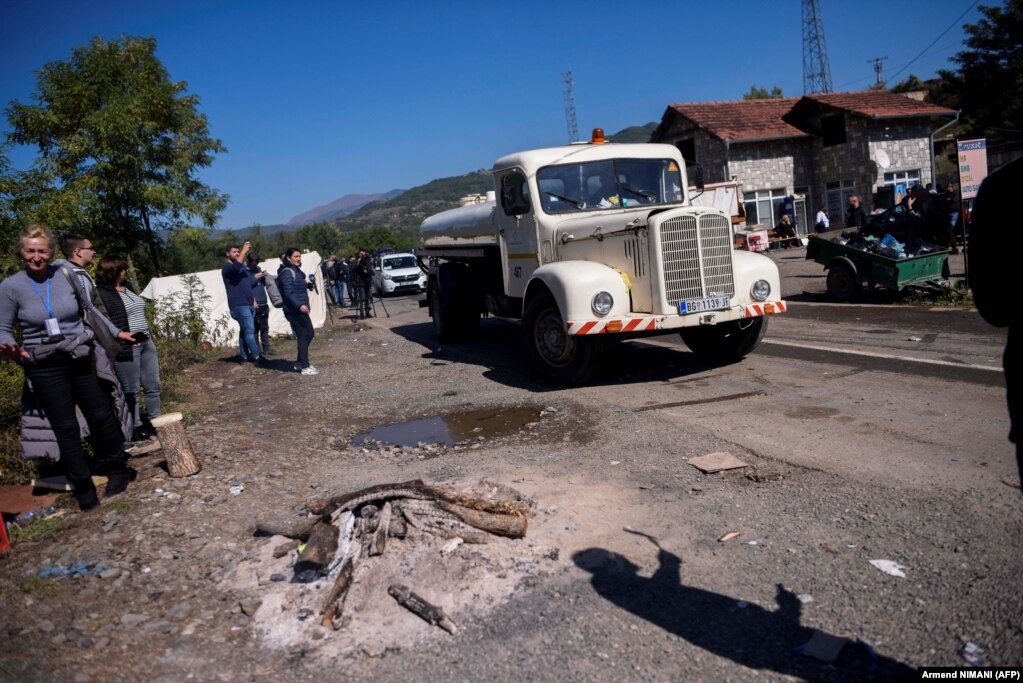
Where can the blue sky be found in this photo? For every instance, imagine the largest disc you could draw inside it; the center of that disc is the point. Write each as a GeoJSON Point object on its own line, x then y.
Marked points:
{"type": "Point", "coordinates": [315, 100]}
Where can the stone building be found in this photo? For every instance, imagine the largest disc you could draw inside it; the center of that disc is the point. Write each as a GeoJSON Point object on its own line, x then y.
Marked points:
{"type": "Point", "coordinates": [801, 154]}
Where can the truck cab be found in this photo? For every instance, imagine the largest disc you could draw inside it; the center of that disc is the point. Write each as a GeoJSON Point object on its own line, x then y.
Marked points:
{"type": "Point", "coordinates": [587, 241]}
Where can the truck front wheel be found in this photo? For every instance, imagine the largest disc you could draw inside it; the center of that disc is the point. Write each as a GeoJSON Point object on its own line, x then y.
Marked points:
{"type": "Point", "coordinates": [552, 352]}
{"type": "Point", "coordinates": [729, 341]}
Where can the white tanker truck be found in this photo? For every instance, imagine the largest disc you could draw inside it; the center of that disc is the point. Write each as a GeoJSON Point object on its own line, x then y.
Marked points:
{"type": "Point", "coordinates": [588, 241]}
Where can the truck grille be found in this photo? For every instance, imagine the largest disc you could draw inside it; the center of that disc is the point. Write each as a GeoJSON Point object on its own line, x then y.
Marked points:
{"type": "Point", "coordinates": [697, 257]}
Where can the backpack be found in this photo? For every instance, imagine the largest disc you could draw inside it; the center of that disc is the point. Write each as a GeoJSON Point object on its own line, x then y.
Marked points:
{"type": "Point", "coordinates": [273, 292]}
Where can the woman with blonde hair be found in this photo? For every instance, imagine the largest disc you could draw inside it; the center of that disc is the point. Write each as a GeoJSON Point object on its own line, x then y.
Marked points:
{"type": "Point", "coordinates": [63, 369]}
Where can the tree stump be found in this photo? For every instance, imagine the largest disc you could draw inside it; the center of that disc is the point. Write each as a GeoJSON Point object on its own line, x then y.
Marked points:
{"type": "Point", "coordinates": [181, 461]}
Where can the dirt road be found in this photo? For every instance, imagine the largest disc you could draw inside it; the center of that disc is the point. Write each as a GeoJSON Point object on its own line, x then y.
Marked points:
{"type": "Point", "coordinates": [621, 576]}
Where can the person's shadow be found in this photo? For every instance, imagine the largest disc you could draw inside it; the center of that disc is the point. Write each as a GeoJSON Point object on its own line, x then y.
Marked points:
{"type": "Point", "coordinates": [746, 633]}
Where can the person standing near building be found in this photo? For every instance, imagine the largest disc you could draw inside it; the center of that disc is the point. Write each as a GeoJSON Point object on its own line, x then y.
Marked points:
{"type": "Point", "coordinates": [261, 316]}
{"type": "Point", "coordinates": [291, 281]}
{"type": "Point", "coordinates": [855, 216]}
{"type": "Point", "coordinates": [240, 284]}
{"type": "Point", "coordinates": [821, 223]}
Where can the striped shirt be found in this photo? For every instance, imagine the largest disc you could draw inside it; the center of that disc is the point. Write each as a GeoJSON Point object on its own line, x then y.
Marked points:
{"type": "Point", "coordinates": [135, 307]}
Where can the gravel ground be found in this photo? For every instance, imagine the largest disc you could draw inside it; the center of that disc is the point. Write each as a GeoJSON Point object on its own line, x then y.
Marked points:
{"type": "Point", "coordinates": [181, 577]}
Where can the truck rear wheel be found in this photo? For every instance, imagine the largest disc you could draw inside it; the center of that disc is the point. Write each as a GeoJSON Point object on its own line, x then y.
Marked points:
{"type": "Point", "coordinates": [552, 352]}
{"type": "Point", "coordinates": [729, 341]}
{"type": "Point", "coordinates": [452, 323]}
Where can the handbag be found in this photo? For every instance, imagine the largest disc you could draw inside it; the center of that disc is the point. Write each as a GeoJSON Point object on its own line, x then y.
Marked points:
{"type": "Point", "coordinates": [91, 318]}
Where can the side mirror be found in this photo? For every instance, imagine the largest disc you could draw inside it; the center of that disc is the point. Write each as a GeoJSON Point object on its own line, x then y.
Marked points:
{"type": "Point", "coordinates": [698, 176]}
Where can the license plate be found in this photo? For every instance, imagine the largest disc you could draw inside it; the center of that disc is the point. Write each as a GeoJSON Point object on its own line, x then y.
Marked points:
{"type": "Point", "coordinates": [699, 305]}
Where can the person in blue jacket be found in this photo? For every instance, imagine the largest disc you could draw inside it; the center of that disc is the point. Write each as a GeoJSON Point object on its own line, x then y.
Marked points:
{"type": "Point", "coordinates": [240, 285]}
{"type": "Point", "coordinates": [292, 283]}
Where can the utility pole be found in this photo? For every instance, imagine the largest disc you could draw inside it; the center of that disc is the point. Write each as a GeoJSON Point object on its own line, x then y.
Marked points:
{"type": "Point", "coordinates": [876, 61]}
{"type": "Point", "coordinates": [569, 87]}
{"type": "Point", "coordinates": [816, 70]}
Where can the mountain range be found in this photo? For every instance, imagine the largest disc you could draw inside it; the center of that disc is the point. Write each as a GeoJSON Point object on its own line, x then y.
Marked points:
{"type": "Point", "coordinates": [342, 206]}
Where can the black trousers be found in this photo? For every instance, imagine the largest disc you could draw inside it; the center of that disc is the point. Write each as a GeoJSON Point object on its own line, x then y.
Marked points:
{"type": "Point", "coordinates": [302, 326]}
{"type": "Point", "coordinates": [262, 321]}
{"type": "Point", "coordinates": [59, 384]}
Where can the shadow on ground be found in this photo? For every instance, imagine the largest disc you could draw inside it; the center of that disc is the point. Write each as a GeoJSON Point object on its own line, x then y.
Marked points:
{"type": "Point", "coordinates": [748, 634]}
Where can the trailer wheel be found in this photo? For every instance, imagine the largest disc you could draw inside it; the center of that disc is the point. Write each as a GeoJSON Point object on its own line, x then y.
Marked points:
{"type": "Point", "coordinates": [842, 282]}
{"type": "Point", "coordinates": [729, 341]}
{"type": "Point", "coordinates": [452, 323]}
{"type": "Point", "coordinates": [552, 352]}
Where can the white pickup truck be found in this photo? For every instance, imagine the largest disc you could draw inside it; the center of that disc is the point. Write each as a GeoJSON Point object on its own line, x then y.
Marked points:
{"type": "Point", "coordinates": [591, 241]}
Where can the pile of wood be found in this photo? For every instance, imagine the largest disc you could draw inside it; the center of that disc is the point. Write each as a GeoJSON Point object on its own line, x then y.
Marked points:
{"type": "Point", "coordinates": [343, 528]}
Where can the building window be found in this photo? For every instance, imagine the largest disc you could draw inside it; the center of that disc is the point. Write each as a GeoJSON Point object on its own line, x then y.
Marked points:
{"type": "Point", "coordinates": [833, 130]}
{"type": "Point", "coordinates": [839, 192]}
{"type": "Point", "coordinates": [764, 206]}
{"type": "Point", "coordinates": [688, 149]}
{"type": "Point", "coordinates": [900, 182]}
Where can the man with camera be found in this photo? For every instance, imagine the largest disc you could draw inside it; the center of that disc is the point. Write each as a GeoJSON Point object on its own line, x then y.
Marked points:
{"type": "Point", "coordinates": [364, 284]}
{"type": "Point", "coordinates": [240, 283]}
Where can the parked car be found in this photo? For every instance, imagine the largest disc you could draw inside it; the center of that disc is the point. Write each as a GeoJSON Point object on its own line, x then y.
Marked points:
{"type": "Point", "coordinates": [399, 273]}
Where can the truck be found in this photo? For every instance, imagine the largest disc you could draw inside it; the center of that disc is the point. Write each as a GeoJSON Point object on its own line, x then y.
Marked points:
{"type": "Point", "coordinates": [592, 242]}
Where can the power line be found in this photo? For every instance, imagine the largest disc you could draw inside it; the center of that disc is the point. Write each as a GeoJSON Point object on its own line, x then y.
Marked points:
{"type": "Point", "coordinates": [950, 27]}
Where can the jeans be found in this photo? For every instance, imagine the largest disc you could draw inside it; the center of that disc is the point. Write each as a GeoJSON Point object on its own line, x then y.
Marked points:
{"type": "Point", "coordinates": [339, 292]}
{"type": "Point", "coordinates": [59, 384]}
{"type": "Point", "coordinates": [143, 369]}
{"type": "Point", "coordinates": [302, 326]}
{"type": "Point", "coordinates": [246, 331]}
{"type": "Point", "coordinates": [262, 323]}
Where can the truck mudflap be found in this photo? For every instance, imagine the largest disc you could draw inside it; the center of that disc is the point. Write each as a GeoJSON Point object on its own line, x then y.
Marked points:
{"type": "Point", "coordinates": [668, 322]}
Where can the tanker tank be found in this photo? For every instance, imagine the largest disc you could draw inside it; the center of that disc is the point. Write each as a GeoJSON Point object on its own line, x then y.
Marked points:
{"type": "Point", "coordinates": [467, 226]}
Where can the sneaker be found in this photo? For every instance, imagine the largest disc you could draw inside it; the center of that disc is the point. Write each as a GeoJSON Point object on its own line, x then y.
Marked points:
{"type": "Point", "coordinates": [310, 371]}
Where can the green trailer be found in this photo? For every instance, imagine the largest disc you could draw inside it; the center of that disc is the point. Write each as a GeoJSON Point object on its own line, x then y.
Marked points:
{"type": "Point", "coordinates": [850, 269]}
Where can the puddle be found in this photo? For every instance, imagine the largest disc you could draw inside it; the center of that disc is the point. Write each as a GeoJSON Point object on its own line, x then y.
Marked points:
{"type": "Point", "coordinates": [447, 430]}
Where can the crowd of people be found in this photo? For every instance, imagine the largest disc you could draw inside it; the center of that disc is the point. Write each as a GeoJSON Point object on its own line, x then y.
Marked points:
{"type": "Point", "coordinates": [67, 369]}
{"type": "Point", "coordinates": [352, 276]}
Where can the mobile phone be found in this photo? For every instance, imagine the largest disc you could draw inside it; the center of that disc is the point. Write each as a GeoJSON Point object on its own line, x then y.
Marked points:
{"type": "Point", "coordinates": [140, 337]}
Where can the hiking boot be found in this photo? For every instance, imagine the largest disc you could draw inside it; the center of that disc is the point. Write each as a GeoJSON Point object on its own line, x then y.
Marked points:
{"type": "Point", "coordinates": [85, 494]}
{"type": "Point", "coordinates": [117, 481]}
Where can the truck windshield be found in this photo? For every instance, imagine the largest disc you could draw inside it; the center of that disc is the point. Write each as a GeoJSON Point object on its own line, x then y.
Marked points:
{"type": "Point", "coordinates": [611, 184]}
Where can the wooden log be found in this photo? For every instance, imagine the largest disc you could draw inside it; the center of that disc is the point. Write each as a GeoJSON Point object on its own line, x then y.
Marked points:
{"type": "Point", "coordinates": [421, 608]}
{"type": "Point", "coordinates": [415, 489]}
{"type": "Point", "coordinates": [291, 526]}
{"type": "Point", "coordinates": [380, 536]}
{"type": "Point", "coordinates": [320, 548]}
{"type": "Point", "coordinates": [335, 603]}
{"type": "Point", "coordinates": [512, 526]}
{"type": "Point", "coordinates": [181, 460]}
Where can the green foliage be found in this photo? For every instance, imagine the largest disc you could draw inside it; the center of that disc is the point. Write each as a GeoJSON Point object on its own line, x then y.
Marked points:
{"type": "Point", "coordinates": [119, 145]}
{"type": "Point", "coordinates": [634, 133]}
{"type": "Point", "coordinates": [988, 85]}
{"type": "Point", "coordinates": [759, 93]}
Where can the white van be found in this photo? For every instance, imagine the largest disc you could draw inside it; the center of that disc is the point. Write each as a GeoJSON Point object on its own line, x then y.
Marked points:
{"type": "Point", "coordinates": [399, 273]}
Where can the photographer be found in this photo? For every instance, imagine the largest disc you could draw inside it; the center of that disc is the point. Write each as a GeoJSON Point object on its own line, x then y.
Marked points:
{"type": "Point", "coordinates": [364, 283]}
{"type": "Point", "coordinates": [136, 364]}
{"type": "Point", "coordinates": [292, 283]}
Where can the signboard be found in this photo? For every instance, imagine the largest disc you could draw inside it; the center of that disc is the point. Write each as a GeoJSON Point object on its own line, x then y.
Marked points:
{"type": "Point", "coordinates": [972, 166]}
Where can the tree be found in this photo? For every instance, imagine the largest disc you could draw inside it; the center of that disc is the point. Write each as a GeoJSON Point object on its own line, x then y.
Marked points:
{"type": "Point", "coordinates": [758, 93]}
{"type": "Point", "coordinates": [119, 145]}
{"type": "Point", "coordinates": [988, 85]}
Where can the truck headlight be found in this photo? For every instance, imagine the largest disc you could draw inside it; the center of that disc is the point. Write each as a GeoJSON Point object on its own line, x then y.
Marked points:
{"type": "Point", "coordinates": [602, 303]}
{"type": "Point", "coordinates": [760, 290]}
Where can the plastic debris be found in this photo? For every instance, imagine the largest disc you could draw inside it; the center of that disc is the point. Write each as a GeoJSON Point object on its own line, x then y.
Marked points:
{"type": "Point", "coordinates": [804, 598]}
{"type": "Point", "coordinates": [915, 339]}
{"type": "Point", "coordinates": [236, 488]}
{"type": "Point", "coordinates": [756, 541]}
{"type": "Point", "coordinates": [31, 515]}
{"type": "Point", "coordinates": [822, 646]}
{"type": "Point", "coordinates": [971, 652]}
{"type": "Point", "coordinates": [889, 567]}
{"type": "Point", "coordinates": [81, 567]}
